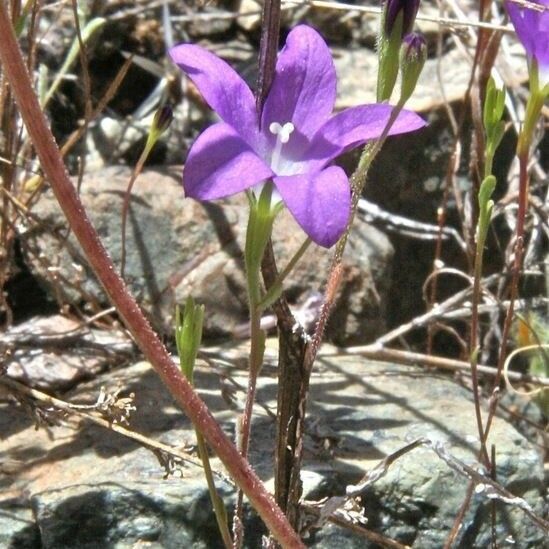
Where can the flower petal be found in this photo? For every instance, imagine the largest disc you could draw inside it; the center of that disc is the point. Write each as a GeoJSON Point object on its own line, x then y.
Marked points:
{"type": "Point", "coordinates": [532, 26]}
{"type": "Point", "coordinates": [304, 86]}
{"type": "Point", "coordinates": [221, 86]}
{"type": "Point", "coordinates": [353, 127]}
{"type": "Point", "coordinates": [220, 163]}
{"type": "Point", "coordinates": [320, 202]}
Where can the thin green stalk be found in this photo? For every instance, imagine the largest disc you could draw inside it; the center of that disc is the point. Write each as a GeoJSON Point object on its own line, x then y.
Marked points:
{"type": "Point", "coordinates": [358, 180]}
{"type": "Point", "coordinates": [515, 274]}
{"type": "Point", "coordinates": [474, 348]}
{"type": "Point", "coordinates": [485, 212]}
{"type": "Point", "coordinates": [494, 128]}
{"type": "Point", "coordinates": [160, 123]}
{"type": "Point", "coordinates": [257, 350]}
{"type": "Point", "coordinates": [533, 109]}
{"type": "Point", "coordinates": [88, 31]}
{"type": "Point", "coordinates": [258, 233]}
{"type": "Point", "coordinates": [217, 502]}
{"type": "Point", "coordinates": [188, 337]}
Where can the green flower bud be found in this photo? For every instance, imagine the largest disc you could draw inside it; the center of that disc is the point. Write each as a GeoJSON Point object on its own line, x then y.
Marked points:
{"type": "Point", "coordinates": [161, 122]}
{"type": "Point", "coordinates": [397, 20]}
{"type": "Point", "coordinates": [413, 54]}
{"type": "Point", "coordinates": [188, 335]}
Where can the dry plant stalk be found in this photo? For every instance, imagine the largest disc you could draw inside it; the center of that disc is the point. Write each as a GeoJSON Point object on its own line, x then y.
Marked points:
{"type": "Point", "coordinates": [16, 73]}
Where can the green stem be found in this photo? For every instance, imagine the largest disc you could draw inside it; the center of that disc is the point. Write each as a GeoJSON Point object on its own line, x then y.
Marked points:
{"type": "Point", "coordinates": [188, 336]}
{"type": "Point", "coordinates": [89, 30]}
{"type": "Point", "coordinates": [488, 163]}
{"type": "Point", "coordinates": [533, 111]}
{"type": "Point", "coordinates": [474, 347]}
{"type": "Point", "coordinates": [257, 352]}
{"type": "Point", "coordinates": [258, 233]}
{"type": "Point", "coordinates": [485, 213]}
{"type": "Point", "coordinates": [217, 502]}
{"type": "Point", "coordinates": [522, 152]}
{"type": "Point", "coordinates": [358, 180]}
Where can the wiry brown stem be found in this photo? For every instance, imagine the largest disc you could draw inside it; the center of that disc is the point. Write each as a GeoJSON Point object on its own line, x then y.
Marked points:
{"type": "Point", "coordinates": [515, 274]}
{"type": "Point", "coordinates": [126, 206]}
{"type": "Point", "coordinates": [485, 52]}
{"type": "Point", "coordinates": [151, 346]}
{"type": "Point", "coordinates": [358, 181]}
{"type": "Point", "coordinates": [244, 427]}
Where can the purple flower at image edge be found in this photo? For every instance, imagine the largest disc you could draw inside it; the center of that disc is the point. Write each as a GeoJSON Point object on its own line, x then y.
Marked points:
{"type": "Point", "coordinates": [532, 26]}
{"type": "Point", "coordinates": [295, 141]}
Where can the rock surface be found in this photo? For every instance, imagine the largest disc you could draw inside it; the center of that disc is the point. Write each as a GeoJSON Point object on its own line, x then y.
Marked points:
{"type": "Point", "coordinates": [80, 486]}
{"type": "Point", "coordinates": [357, 68]}
{"type": "Point", "coordinates": [178, 247]}
{"type": "Point", "coordinates": [55, 353]}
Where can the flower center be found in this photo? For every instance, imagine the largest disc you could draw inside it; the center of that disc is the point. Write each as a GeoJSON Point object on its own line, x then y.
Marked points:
{"type": "Point", "coordinates": [282, 133]}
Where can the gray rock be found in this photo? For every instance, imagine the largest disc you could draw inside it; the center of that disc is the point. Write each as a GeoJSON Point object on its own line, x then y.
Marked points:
{"type": "Point", "coordinates": [177, 247]}
{"type": "Point", "coordinates": [88, 487]}
{"type": "Point", "coordinates": [19, 529]}
{"type": "Point", "coordinates": [357, 71]}
{"type": "Point", "coordinates": [250, 15]}
{"type": "Point", "coordinates": [200, 27]}
{"type": "Point", "coordinates": [55, 353]}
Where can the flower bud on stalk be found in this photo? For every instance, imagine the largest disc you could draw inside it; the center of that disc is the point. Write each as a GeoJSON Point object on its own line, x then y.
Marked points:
{"type": "Point", "coordinates": [161, 122]}
{"type": "Point", "coordinates": [494, 125]}
{"type": "Point", "coordinates": [413, 54]}
{"type": "Point", "coordinates": [162, 119]}
{"type": "Point", "coordinates": [397, 21]}
{"type": "Point", "coordinates": [406, 8]}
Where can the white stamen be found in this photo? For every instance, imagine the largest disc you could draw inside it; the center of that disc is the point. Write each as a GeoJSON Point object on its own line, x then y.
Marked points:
{"type": "Point", "coordinates": [286, 131]}
{"type": "Point", "coordinates": [282, 133]}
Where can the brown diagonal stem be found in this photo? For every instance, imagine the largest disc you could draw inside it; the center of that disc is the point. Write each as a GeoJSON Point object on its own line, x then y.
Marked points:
{"type": "Point", "coordinates": [52, 164]}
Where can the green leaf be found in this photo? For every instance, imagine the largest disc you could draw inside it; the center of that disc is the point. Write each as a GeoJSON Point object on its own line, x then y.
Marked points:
{"type": "Point", "coordinates": [188, 335]}
{"type": "Point", "coordinates": [87, 32]}
{"type": "Point", "coordinates": [486, 190]}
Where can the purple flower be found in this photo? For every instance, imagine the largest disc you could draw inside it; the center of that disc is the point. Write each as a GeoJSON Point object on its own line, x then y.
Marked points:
{"type": "Point", "coordinates": [531, 21]}
{"type": "Point", "coordinates": [294, 142]}
{"type": "Point", "coordinates": [408, 8]}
